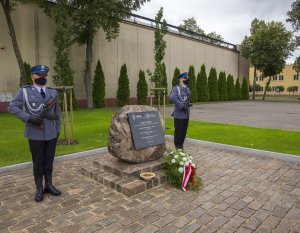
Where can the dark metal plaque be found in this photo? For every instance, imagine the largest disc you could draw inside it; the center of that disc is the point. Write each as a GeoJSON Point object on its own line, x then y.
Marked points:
{"type": "Point", "coordinates": [146, 129]}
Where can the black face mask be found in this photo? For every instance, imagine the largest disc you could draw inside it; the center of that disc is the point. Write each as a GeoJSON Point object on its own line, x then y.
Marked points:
{"type": "Point", "coordinates": [41, 81]}
{"type": "Point", "coordinates": [186, 82]}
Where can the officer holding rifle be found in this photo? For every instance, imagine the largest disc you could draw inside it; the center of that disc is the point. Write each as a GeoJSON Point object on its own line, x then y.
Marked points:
{"type": "Point", "coordinates": [180, 96]}
{"type": "Point", "coordinates": [37, 106]}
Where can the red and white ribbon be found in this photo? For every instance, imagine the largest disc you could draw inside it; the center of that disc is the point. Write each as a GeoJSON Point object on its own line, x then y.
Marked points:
{"type": "Point", "coordinates": [187, 170]}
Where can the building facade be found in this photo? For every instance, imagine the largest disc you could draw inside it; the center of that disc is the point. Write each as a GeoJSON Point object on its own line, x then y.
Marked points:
{"type": "Point", "coordinates": [134, 46]}
{"type": "Point", "coordinates": [287, 78]}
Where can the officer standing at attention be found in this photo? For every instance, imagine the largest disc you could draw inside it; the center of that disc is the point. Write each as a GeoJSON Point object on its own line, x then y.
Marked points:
{"type": "Point", "coordinates": [37, 106]}
{"type": "Point", "coordinates": [180, 96]}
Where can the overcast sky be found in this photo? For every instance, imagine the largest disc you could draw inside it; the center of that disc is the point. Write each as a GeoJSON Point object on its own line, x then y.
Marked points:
{"type": "Point", "coordinates": [231, 19]}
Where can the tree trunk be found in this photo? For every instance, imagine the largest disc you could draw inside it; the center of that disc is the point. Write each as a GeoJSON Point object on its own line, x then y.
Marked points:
{"type": "Point", "coordinates": [265, 91]}
{"type": "Point", "coordinates": [88, 70]}
{"type": "Point", "coordinates": [254, 84]}
{"type": "Point", "coordinates": [6, 8]}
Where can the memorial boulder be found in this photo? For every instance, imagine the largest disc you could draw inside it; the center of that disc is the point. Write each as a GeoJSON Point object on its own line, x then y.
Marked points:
{"type": "Point", "coordinates": [148, 134]}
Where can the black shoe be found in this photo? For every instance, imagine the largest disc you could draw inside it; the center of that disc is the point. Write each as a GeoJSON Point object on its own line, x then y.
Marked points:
{"type": "Point", "coordinates": [39, 195]}
{"type": "Point", "coordinates": [52, 190]}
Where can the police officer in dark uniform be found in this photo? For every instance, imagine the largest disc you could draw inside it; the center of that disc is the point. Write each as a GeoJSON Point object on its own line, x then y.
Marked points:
{"type": "Point", "coordinates": [37, 106]}
{"type": "Point", "coordinates": [180, 96]}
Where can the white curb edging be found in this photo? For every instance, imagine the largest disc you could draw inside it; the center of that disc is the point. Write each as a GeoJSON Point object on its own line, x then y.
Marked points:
{"type": "Point", "coordinates": [262, 153]}
{"type": "Point", "coordinates": [56, 159]}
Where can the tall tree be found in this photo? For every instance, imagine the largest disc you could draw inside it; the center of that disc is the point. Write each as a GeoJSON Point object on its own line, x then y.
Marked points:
{"type": "Point", "coordinates": [164, 81]}
{"type": "Point", "coordinates": [99, 87]}
{"type": "Point", "coordinates": [294, 19]}
{"type": "Point", "coordinates": [157, 77]}
{"type": "Point", "coordinates": [62, 40]}
{"type": "Point", "coordinates": [222, 87]}
{"type": "Point", "coordinates": [142, 89]}
{"type": "Point", "coordinates": [230, 88]}
{"type": "Point", "coordinates": [8, 6]}
{"type": "Point", "coordinates": [202, 86]}
{"type": "Point", "coordinates": [213, 85]}
{"type": "Point", "coordinates": [192, 84]}
{"type": "Point", "coordinates": [123, 91]}
{"type": "Point", "coordinates": [215, 37]}
{"type": "Point", "coordinates": [269, 45]}
{"type": "Point", "coordinates": [88, 17]}
{"type": "Point", "coordinates": [175, 79]}
{"type": "Point", "coordinates": [191, 25]}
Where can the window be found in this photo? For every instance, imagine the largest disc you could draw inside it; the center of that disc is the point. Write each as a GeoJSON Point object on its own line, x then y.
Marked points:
{"type": "Point", "coordinates": [296, 77]}
{"type": "Point", "coordinates": [256, 79]}
{"type": "Point", "coordinates": [273, 89]}
{"type": "Point", "coordinates": [274, 78]}
{"type": "Point", "coordinates": [280, 77]}
{"type": "Point", "coordinates": [261, 78]}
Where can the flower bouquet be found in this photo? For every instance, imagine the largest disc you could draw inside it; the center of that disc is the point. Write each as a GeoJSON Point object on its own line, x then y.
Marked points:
{"type": "Point", "coordinates": [181, 171]}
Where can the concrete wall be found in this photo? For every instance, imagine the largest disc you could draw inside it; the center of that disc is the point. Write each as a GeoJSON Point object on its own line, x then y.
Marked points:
{"type": "Point", "coordinates": [134, 46]}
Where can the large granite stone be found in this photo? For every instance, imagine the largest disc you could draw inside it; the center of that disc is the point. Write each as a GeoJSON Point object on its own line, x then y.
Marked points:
{"type": "Point", "coordinates": [120, 143]}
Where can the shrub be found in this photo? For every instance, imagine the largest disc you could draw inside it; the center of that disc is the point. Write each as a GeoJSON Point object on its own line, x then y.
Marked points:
{"type": "Point", "coordinates": [222, 87]}
{"type": "Point", "coordinates": [213, 85]}
{"type": "Point", "coordinates": [123, 92]}
{"type": "Point", "coordinates": [202, 87]}
{"type": "Point", "coordinates": [245, 89]}
{"type": "Point", "coordinates": [175, 79]}
{"type": "Point", "coordinates": [142, 89]}
{"type": "Point", "coordinates": [192, 85]}
{"type": "Point", "coordinates": [28, 74]}
{"type": "Point", "coordinates": [238, 92]}
{"type": "Point", "coordinates": [230, 88]}
{"type": "Point", "coordinates": [98, 87]}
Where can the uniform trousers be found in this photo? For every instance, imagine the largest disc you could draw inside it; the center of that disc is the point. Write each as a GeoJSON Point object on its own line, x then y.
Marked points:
{"type": "Point", "coordinates": [42, 156]}
{"type": "Point", "coordinates": [180, 126]}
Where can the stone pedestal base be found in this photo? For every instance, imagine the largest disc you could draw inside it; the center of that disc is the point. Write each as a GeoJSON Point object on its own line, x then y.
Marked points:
{"type": "Point", "coordinates": [124, 177]}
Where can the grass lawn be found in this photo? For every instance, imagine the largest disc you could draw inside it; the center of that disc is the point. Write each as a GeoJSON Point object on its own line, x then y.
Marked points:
{"type": "Point", "coordinates": [91, 130]}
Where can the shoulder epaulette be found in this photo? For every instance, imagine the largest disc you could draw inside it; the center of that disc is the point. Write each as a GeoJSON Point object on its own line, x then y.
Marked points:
{"type": "Point", "coordinates": [26, 86]}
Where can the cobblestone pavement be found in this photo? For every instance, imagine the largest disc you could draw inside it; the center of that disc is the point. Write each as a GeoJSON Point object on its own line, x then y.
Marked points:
{"type": "Point", "coordinates": [242, 193]}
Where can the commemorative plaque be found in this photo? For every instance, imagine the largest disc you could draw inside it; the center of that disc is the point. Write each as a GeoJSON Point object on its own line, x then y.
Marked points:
{"type": "Point", "coordinates": [146, 129]}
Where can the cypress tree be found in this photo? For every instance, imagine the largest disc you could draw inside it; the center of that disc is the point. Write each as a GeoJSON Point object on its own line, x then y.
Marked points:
{"type": "Point", "coordinates": [175, 79]}
{"type": "Point", "coordinates": [222, 87]}
{"type": "Point", "coordinates": [123, 92]}
{"type": "Point", "coordinates": [142, 89]}
{"type": "Point", "coordinates": [213, 85]}
{"type": "Point", "coordinates": [245, 89]}
{"type": "Point", "coordinates": [230, 87]}
{"type": "Point", "coordinates": [98, 87]}
{"type": "Point", "coordinates": [27, 68]}
{"type": "Point", "coordinates": [202, 87]}
{"type": "Point", "coordinates": [238, 92]}
{"type": "Point", "coordinates": [192, 84]}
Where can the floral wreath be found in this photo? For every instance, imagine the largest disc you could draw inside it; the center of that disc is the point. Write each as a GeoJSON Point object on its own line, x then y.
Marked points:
{"type": "Point", "coordinates": [181, 171]}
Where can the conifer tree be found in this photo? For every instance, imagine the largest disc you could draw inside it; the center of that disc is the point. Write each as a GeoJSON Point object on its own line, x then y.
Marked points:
{"type": "Point", "coordinates": [245, 89]}
{"type": "Point", "coordinates": [27, 68]}
{"type": "Point", "coordinates": [123, 92]}
{"type": "Point", "coordinates": [192, 84]}
{"type": "Point", "coordinates": [238, 92]}
{"type": "Point", "coordinates": [98, 87]}
{"type": "Point", "coordinates": [213, 85]}
{"type": "Point", "coordinates": [175, 79]}
{"type": "Point", "coordinates": [222, 87]}
{"type": "Point", "coordinates": [202, 87]}
{"type": "Point", "coordinates": [142, 89]}
{"type": "Point", "coordinates": [230, 87]}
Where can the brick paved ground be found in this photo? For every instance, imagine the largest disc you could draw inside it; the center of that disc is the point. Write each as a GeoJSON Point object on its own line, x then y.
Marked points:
{"type": "Point", "coordinates": [241, 193]}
